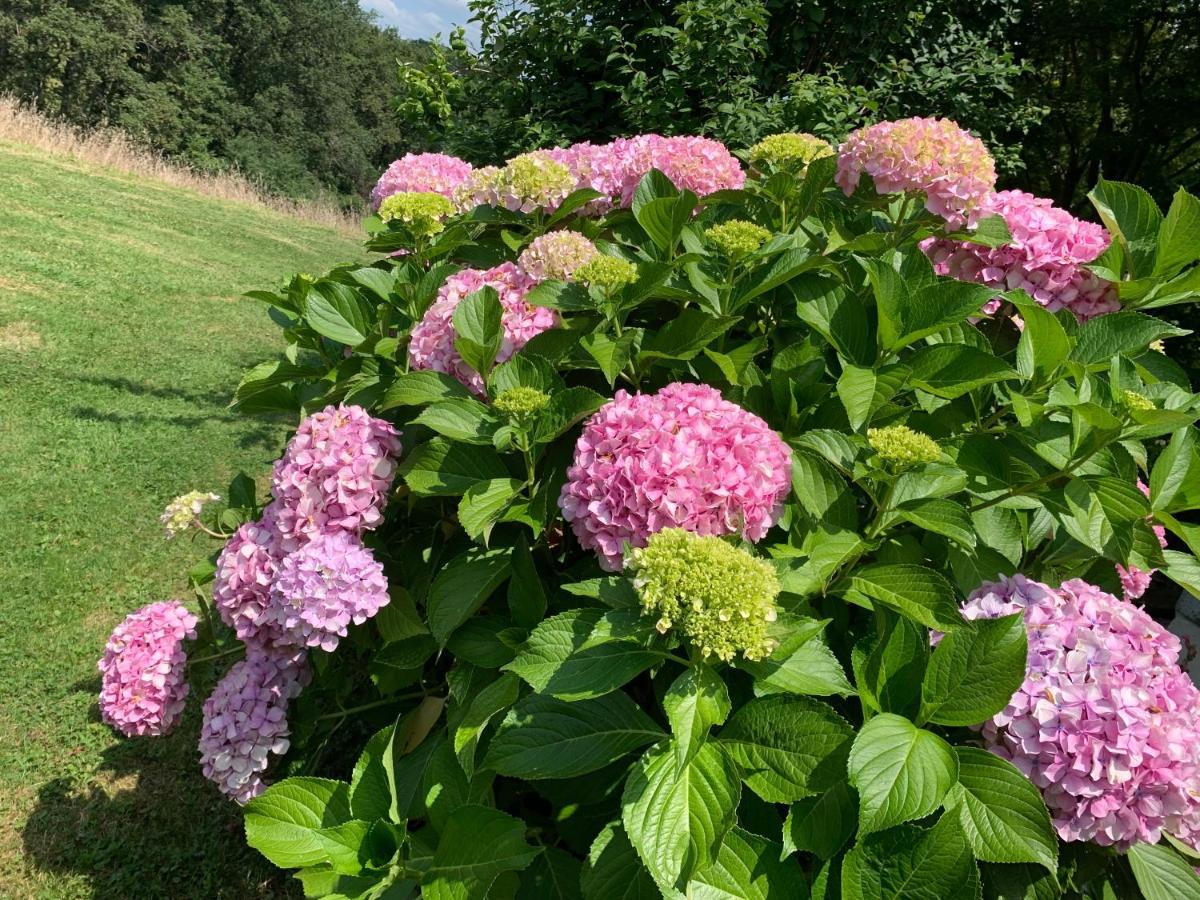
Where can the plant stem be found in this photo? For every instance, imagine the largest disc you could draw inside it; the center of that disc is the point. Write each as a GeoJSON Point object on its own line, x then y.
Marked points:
{"type": "Point", "coordinates": [211, 657]}
{"type": "Point", "coordinates": [386, 701]}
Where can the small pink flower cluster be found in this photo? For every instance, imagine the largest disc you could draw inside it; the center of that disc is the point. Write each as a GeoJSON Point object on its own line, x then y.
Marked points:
{"type": "Point", "coordinates": [245, 721]}
{"type": "Point", "coordinates": [935, 156]}
{"type": "Point", "coordinates": [1135, 581]}
{"type": "Point", "coordinates": [434, 173]}
{"type": "Point", "coordinates": [556, 256]}
{"type": "Point", "coordinates": [432, 343]}
{"type": "Point", "coordinates": [143, 674]}
{"type": "Point", "coordinates": [682, 458]}
{"type": "Point", "coordinates": [1105, 724]}
{"type": "Point", "coordinates": [1045, 258]}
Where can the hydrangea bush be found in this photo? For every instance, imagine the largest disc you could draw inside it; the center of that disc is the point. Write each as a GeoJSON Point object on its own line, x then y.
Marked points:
{"type": "Point", "coordinates": [669, 521]}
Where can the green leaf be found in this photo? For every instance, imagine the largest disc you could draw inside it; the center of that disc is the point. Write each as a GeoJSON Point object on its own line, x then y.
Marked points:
{"type": "Point", "coordinates": [695, 702]}
{"type": "Point", "coordinates": [343, 844]}
{"type": "Point", "coordinates": [889, 677]}
{"type": "Point", "coordinates": [822, 491]}
{"type": "Point", "coordinates": [788, 747]}
{"type": "Point", "coordinates": [1173, 469]}
{"type": "Point", "coordinates": [526, 596]}
{"type": "Point", "coordinates": [686, 334]}
{"type": "Point", "coordinates": [748, 867]}
{"type": "Point", "coordinates": [933, 307]}
{"type": "Point", "coordinates": [370, 792]}
{"type": "Point", "coordinates": [584, 653]}
{"type": "Point", "coordinates": [1132, 217]}
{"type": "Point", "coordinates": [613, 871]}
{"type": "Point", "coordinates": [465, 420]}
{"type": "Point", "coordinates": [611, 354]}
{"type": "Point", "coordinates": [1162, 874]}
{"type": "Point", "coordinates": [1102, 338]}
{"type": "Point", "coordinates": [419, 388]}
{"type": "Point", "coordinates": [822, 824]}
{"type": "Point", "coordinates": [801, 664]}
{"type": "Point", "coordinates": [863, 392]}
{"type": "Point", "coordinates": [782, 269]}
{"type": "Point", "coordinates": [914, 591]}
{"type": "Point", "coordinates": [945, 517]}
{"type": "Point", "coordinates": [282, 823]}
{"type": "Point", "coordinates": [562, 295]}
{"type": "Point", "coordinates": [493, 699]}
{"type": "Point", "coordinates": [462, 587]}
{"type": "Point", "coordinates": [1044, 345]}
{"type": "Point", "coordinates": [338, 312]}
{"type": "Point", "coordinates": [483, 503]}
{"type": "Point", "coordinates": [440, 468]}
{"type": "Point", "coordinates": [974, 672]}
{"type": "Point", "coordinates": [902, 772]}
{"type": "Point", "coordinates": [477, 844]}
{"type": "Point", "coordinates": [1001, 812]}
{"type": "Point", "coordinates": [661, 209]}
{"type": "Point", "coordinates": [1179, 235]}
{"type": "Point", "coordinates": [910, 863]}
{"type": "Point", "coordinates": [542, 737]}
{"type": "Point", "coordinates": [565, 409]}
{"type": "Point", "coordinates": [554, 875]}
{"type": "Point", "coordinates": [676, 818]}
{"type": "Point", "coordinates": [951, 370]}
{"type": "Point", "coordinates": [477, 322]}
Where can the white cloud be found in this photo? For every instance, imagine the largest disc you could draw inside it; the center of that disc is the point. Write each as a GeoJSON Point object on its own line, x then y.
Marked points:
{"type": "Point", "coordinates": [423, 18]}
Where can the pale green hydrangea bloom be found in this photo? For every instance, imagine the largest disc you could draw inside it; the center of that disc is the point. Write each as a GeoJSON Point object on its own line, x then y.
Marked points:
{"type": "Point", "coordinates": [521, 402]}
{"type": "Point", "coordinates": [790, 147]}
{"type": "Point", "coordinates": [901, 445]}
{"type": "Point", "coordinates": [535, 180]}
{"type": "Point", "coordinates": [607, 272]}
{"type": "Point", "coordinates": [1135, 401]}
{"type": "Point", "coordinates": [183, 512]}
{"type": "Point", "coordinates": [737, 237]}
{"type": "Point", "coordinates": [422, 213]}
{"type": "Point", "coordinates": [720, 597]}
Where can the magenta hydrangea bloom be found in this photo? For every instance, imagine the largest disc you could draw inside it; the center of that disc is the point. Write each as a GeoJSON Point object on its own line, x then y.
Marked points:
{"type": "Point", "coordinates": [1135, 581]}
{"type": "Point", "coordinates": [935, 156]}
{"type": "Point", "coordinates": [1045, 258]}
{"type": "Point", "coordinates": [432, 343]}
{"type": "Point", "coordinates": [321, 588]}
{"type": "Point", "coordinates": [143, 673]}
{"type": "Point", "coordinates": [245, 720]}
{"type": "Point", "coordinates": [594, 166]}
{"type": "Point", "coordinates": [434, 173]}
{"type": "Point", "coordinates": [1105, 724]}
{"type": "Point", "coordinates": [335, 474]}
{"type": "Point", "coordinates": [682, 458]}
{"type": "Point", "coordinates": [697, 164]}
{"type": "Point", "coordinates": [242, 583]}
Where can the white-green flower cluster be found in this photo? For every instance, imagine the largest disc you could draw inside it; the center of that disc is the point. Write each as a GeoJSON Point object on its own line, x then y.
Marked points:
{"type": "Point", "coordinates": [1134, 401]}
{"type": "Point", "coordinates": [423, 213]}
{"type": "Point", "coordinates": [737, 237]}
{"type": "Point", "coordinates": [609, 272]}
{"type": "Point", "coordinates": [901, 445]}
{"type": "Point", "coordinates": [720, 597]}
{"type": "Point", "coordinates": [183, 512]}
{"type": "Point", "coordinates": [789, 148]}
{"type": "Point", "coordinates": [521, 402]}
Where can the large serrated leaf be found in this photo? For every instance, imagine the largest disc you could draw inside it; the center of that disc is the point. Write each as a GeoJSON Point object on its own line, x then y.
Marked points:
{"type": "Point", "coordinates": [974, 672]}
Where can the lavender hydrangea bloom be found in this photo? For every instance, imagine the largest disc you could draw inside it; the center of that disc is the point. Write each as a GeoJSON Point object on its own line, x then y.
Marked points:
{"type": "Point", "coordinates": [242, 583]}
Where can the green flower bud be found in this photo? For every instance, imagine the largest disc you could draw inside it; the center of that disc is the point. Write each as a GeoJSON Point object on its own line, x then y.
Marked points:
{"type": "Point", "coordinates": [521, 402]}
{"type": "Point", "coordinates": [900, 444]}
{"type": "Point", "coordinates": [534, 179]}
{"type": "Point", "coordinates": [1135, 401]}
{"type": "Point", "coordinates": [421, 213]}
{"type": "Point", "coordinates": [720, 597]}
{"type": "Point", "coordinates": [737, 237]}
{"type": "Point", "coordinates": [790, 147]}
{"type": "Point", "coordinates": [607, 272]}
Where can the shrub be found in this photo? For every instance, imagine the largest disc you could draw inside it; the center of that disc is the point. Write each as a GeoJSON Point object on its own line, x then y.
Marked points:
{"type": "Point", "coordinates": [624, 538]}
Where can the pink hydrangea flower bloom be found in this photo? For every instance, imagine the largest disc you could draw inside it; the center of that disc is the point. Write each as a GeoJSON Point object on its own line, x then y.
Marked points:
{"type": "Point", "coordinates": [321, 588]}
{"type": "Point", "coordinates": [434, 173]}
{"type": "Point", "coordinates": [556, 256]}
{"type": "Point", "coordinates": [595, 166]}
{"type": "Point", "coordinates": [682, 458]}
{"type": "Point", "coordinates": [697, 164]}
{"type": "Point", "coordinates": [432, 343]}
{"type": "Point", "coordinates": [1135, 581]}
{"type": "Point", "coordinates": [1105, 724]}
{"type": "Point", "coordinates": [245, 720]}
{"type": "Point", "coordinates": [335, 474]}
{"type": "Point", "coordinates": [143, 673]}
{"type": "Point", "coordinates": [246, 570]}
{"type": "Point", "coordinates": [935, 156]}
{"type": "Point", "coordinates": [1045, 258]}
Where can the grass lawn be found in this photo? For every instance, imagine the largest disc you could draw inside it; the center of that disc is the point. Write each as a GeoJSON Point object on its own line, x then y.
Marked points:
{"type": "Point", "coordinates": [122, 336]}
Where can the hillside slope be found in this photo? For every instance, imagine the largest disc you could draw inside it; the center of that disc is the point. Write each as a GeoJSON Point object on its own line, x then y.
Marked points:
{"type": "Point", "coordinates": [122, 335]}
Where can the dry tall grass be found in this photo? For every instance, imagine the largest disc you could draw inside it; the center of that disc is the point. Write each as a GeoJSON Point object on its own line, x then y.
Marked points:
{"type": "Point", "coordinates": [113, 149]}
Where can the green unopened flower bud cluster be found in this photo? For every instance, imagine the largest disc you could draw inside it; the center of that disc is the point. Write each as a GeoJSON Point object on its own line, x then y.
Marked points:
{"type": "Point", "coordinates": [1135, 401]}
{"type": "Point", "coordinates": [902, 446]}
{"type": "Point", "coordinates": [521, 402]}
{"type": "Point", "coordinates": [610, 272]}
{"type": "Point", "coordinates": [422, 213]}
{"type": "Point", "coordinates": [719, 597]}
{"type": "Point", "coordinates": [790, 147]}
{"type": "Point", "coordinates": [737, 237]}
{"type": "Point", "coordinates": [534, 179]}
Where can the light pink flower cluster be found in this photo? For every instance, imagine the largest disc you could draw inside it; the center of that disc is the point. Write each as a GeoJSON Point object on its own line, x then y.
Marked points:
{"type": "Point", "coordinates": [245, 720]}
{"type": "Point", "coordinates": [556, 256]}
{"type": "Point", "coordinates": [434, 173]}
{"type": "Point", "coordinates": [432, 343]}
{"type": "Point", "coordinates": [143, 674]}
{"type": "Point", "coordinates": [682, 458]}
{"type": "Point", "coordinates": [1135, 581]}
{"type": "Point", "coordinates": [335, 474]}
{"type": "Point", "coordinates": [1105, 724]}
{"type": "Point", "coordinates": [935, 156]}
{"type": "Point", "coordinates": [1045, 258]}
{"type": "Point", "coordinates": [242, 585]}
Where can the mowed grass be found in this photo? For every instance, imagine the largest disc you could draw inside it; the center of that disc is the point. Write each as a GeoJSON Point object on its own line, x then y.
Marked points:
{"type": "Point", "coordinates": [122, 336]}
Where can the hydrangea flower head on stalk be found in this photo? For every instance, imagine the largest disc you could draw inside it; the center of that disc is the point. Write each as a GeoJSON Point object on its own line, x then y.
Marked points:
{"type": "Point", "coordinates": [245, 721]}
{"type": "Point", "coordinates": [434, 173]}
{"type": "Point", "coordinates": [335, 474]}
{"type": "Point", "coordinates": [721, 598]}
{"type": "Point", "coordinates": [1106, 724]}
{"type": "Point", "coordinates": [934, 156]}
{"type": "Point", "coordinates": [535, 181]}
{"type": "Point", "coordinates": [596, 167]}
{"type": "Point", "coordinates": [1046, 256]}
{"type": "Point", "coordinates": [556, 256]}
{"type": "Point", "coordinates": [609, 273]}
{"type": "Point", "coordinates": [681, 458]}
{"type": "Point", "coordinates": [697, 164]}
{"type": "Point", "coordinates": [246, 571]}
{"type": "Point", "coordinates": [790, 149]}
{"type": "Point", "coordinates": [737, 237]}
{"type": "Point", "coordinates": [143, 673]}
{"type": "Point", "coordinates": [432, 343]}
{"type": "Point", "coordinates": [423, 214]}
{"type": "Point", "coordinates": [183, 513]}
{"type": "Point", "coordinates": [901, 446]}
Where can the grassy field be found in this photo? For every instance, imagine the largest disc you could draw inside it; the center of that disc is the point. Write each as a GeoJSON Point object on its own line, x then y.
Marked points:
{"type": "Point", "coordinates": [122, 336]}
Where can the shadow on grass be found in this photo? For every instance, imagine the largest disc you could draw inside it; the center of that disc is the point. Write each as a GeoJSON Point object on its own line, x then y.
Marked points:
{"type": "Point", "coordinates": [216, 398]}
{"type": "Point", "coordinates": [148, 825]}
{"type": "Point", "coordinates": [263, 432]}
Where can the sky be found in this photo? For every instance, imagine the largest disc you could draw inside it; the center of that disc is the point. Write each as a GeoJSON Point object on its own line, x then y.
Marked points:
{"type": "Point", "coordinates": [422, 18]}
